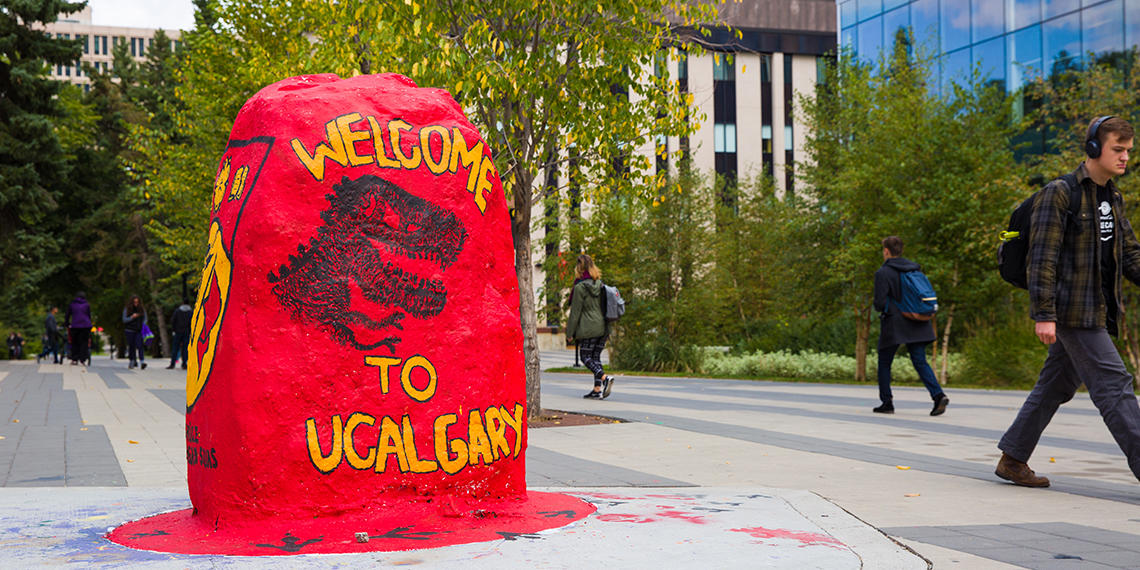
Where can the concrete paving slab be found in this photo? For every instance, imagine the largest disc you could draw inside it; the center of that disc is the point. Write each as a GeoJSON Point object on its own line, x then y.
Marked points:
{"type": "Point", "coordinates": [633, 528]}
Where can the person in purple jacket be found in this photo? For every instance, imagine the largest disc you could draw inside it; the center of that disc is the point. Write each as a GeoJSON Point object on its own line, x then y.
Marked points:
{"type": "Point", "coordinates": [78, 322]}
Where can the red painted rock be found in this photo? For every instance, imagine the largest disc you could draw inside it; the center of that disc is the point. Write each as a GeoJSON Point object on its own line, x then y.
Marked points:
{"type": "Point", "coordinates": [357, 352]}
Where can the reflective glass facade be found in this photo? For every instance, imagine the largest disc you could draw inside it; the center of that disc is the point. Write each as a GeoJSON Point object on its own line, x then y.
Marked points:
{"type": "Point", "coordinates": [1013, 41]}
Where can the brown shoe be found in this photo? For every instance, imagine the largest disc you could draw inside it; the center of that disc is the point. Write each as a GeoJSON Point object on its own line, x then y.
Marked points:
{"type": "Point", "coordinates": [1018, 472]}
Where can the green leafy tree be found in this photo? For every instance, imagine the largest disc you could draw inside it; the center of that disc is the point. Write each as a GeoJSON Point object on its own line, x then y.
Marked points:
{"type": "Point", "coordinates": [32, 176]}
{"type": "Point", "coordinates": [889, 157]}
{"type": "Point", "coordinates": [546, 84]}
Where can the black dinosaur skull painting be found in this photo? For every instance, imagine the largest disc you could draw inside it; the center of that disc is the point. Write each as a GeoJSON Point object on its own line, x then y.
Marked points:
{"type": "Point", "coordinates": [375, 241]}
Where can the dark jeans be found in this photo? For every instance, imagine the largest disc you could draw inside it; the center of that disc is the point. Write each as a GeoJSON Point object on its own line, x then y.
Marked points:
{"type": "Point", "coordinates": [135, 344]}
{"type": "Point", "coordinates": [1079, 355]}
{"type": "Point", "coordinates": [181, 347]}
{"type": "Point", "coordinates": [918, 359]}
{"type": "Point", "coordinates": [51, 348]}
{"type": "Point", "coordinates": [591, 352]}
{"type": "Point", "coordinates": [81, 344]}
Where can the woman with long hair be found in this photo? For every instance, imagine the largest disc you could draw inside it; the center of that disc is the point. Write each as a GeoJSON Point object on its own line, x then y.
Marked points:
{"type": "Point", "coordinates": [587, 325]}
{"type": "Point", "coordinates": [134, 317]}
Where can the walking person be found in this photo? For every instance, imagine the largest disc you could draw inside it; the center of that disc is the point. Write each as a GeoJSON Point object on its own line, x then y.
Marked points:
{"type": "Point", "coordinates": [587, 324]}
{"type": "Point", "coordinates": [78, 322]}
{"type": "Point", "coordinates": [134, 317]}
{"type": "Point", "coordinates": [180, 325]}
{"type": "Point", "coordinates": [51, 337]}
{"type": "Point", "coordinates": [896, 330]}
{"type": "Point", "coordinates": [15, 346]}
{"type": "Point", "coordinates": [1076, 265]}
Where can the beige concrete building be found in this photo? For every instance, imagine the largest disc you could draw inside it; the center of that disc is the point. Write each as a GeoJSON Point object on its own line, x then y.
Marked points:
{"type": "Point", "coordinates": [747, 100]}
{"type": "Point", "coordinates": [99, 43]}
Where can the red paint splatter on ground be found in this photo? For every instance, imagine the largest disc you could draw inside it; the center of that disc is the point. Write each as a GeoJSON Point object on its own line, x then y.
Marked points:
{"type": "Point", "coordinates": [671, 497]}
{"type": "Point", "coordinates": [695, 519]}
{"type": "Point", "coordinates": [408, 526]}
{"type": "Point", "coordinates": [624, 518]}
{"type": "Point", "coordinates": [804, 538]}
{"type": "Point", "coordinates": [607, 496]}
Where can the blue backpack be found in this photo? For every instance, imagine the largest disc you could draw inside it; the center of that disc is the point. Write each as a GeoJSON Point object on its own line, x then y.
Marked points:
{"type": "Point", "coordinates": [918, 300]}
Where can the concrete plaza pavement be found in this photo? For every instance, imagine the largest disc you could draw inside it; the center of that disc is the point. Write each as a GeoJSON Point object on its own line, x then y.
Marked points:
{"type": "Point", "coordinates": [807, 456]}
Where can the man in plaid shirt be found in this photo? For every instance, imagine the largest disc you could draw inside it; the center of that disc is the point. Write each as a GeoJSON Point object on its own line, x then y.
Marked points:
{"type": "Point", "coordinates": [1076, 265]}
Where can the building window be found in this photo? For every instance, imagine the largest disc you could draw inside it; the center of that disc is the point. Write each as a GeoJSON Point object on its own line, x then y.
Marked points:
{"type": "Point", "coordinates": [1103, 28]}
{"type": "Point", "coordinates": [83, 38]}
{"type": "Point", "coordinates": [1023, 48]}
{"type": "Point", "coordinates": [724, 122]}
{"type": "Point", "coordinates": [1058, 7]}
{"type": "Point", "coordinates": [725, 137]}
{"type": "Point", "coordinates": [1062, 39]}
{"type": "Point", "coordinates": [988, 19]}
{"type": "Point", "coordinates": [723, 67]}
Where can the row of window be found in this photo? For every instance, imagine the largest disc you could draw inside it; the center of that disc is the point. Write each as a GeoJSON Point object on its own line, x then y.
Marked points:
{"type": "Point", "coordinates": [77, 70]}
{"type": "Point", "coordinates": [965, 21]}
{"type": "Point", "coordinates": [1010, 59]}
{"type": "Point", "coordinates": [98, 44]}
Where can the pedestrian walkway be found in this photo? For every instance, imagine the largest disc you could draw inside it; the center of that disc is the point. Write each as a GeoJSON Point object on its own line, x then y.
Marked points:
{"type": "Point", "coordinates": [816, 474]}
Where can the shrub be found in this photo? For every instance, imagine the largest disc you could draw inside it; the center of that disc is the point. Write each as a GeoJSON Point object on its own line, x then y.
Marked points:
{"type": "Point", "coordinates": [811, 365]}
{"type": "Point", "coordinates": [1005, 354]}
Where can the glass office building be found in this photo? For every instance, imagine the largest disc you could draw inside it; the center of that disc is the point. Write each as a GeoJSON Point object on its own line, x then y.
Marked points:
{"type": "Point", "coordinates": [1013, 41]}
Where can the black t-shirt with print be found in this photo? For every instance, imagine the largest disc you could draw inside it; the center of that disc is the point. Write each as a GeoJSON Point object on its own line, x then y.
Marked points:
{"type": "Point", "coordinates": [1107, 227]}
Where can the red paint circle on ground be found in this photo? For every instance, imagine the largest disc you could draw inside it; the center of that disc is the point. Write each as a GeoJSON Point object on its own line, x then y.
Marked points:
{"type": "Point", "coordinates": [404, 525]}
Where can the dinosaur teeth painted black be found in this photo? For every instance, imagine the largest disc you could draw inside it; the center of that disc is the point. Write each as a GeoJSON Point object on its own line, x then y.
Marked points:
{"type": "Point", "coordinates": [315, 284]}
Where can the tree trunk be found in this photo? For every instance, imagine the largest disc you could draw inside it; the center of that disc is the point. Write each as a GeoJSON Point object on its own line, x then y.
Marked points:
{"type": "Point", "coordinates": [862, 336]}
{"type": "Point", "coordinates": [524, 269]}
{"type": "Point", "coordinates": [946, 346]}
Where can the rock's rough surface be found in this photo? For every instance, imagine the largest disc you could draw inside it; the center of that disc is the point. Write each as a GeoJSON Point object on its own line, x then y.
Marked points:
{"type": "Point", "coordinates": [356, 337]}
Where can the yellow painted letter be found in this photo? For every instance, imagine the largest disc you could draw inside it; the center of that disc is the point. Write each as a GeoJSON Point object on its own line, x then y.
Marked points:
{"type": "Point", "coordinates": [440, 166]}
{"type": "Point", "coordinates": [332, 150]}
{"type": "Point", "coordinates": [406, 378]}
{"type": "Point", "coordinates": [325, 464]}
{"type": "Point", "coordinates": [354, 458]}
{"type": "Point", "coordinates": [458, 446]}
{"type": "Point", "coordinates": [384, 362]}
{"type": "Point", "coordinates": [477, 441]}
{"type": "Point", "coordinates": [496, 427]}
{"type": "Point", "coordinates": [394, 128]}
{"type": "Point", "coordinates": [350, 137]}
{"type": "Point", "coordinates": [418, 465]}
{"type": "Point", "coordinates": [390, 442]}
{"type": "Point", "coordinates": [516, 423]}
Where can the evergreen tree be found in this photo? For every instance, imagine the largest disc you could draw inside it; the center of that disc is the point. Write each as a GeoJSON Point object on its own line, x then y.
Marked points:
{"type": "Point", "coordinates": [32, 172]}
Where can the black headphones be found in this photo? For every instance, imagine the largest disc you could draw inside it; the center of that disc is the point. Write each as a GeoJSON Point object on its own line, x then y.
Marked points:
{"type": "Point", "coordinates": [1092, 142]}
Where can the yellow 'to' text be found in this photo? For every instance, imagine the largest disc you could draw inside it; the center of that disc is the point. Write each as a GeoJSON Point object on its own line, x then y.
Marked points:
{"type": "Point", "coordinates": [417, 361]}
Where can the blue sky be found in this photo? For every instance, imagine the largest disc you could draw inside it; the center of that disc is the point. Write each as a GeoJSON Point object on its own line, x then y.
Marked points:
{"type": "Point", "coordinates": [165, 14]}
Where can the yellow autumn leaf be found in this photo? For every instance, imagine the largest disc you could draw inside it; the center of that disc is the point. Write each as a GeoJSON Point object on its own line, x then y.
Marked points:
{"type": "Point", "coordinates": [132, 441]}
{"type": "Point", "coordinates": [903, 467]}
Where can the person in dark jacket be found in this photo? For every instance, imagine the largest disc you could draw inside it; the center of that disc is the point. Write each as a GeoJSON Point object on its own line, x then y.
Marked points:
{"type": "Point", "coordinates": [180, 324]}
{"type": "Point", "coordinates": [15, 346]}
{"type": "Point", "coordinates": [78, 322]}
{"type": "Point", "coordinates": [895, 330]}
{"type": "Point", "coordinates": [134, 317]}
{"type": "Point", "coordinates": [587, 324]}
{"type": "Point", "coordinates": [51, 337]}
{"type": "Point", "coordinates": [1076, 268]}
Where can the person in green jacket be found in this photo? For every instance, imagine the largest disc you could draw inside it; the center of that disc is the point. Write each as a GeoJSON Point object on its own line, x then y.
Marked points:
{"type": "Point", "coordinates": [587, 325]}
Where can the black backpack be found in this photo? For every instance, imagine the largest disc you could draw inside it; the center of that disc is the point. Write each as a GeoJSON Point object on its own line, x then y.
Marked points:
{"type": "Point", "coordinates": [1013, 253]}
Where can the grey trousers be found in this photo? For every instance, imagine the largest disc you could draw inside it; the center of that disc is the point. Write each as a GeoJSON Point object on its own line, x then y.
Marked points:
{"type": "Point", "coordinates": [1079, 355]}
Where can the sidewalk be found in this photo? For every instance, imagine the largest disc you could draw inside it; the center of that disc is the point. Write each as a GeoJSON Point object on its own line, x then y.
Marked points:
{"type": "Point", "coordinates": [800, 475]}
